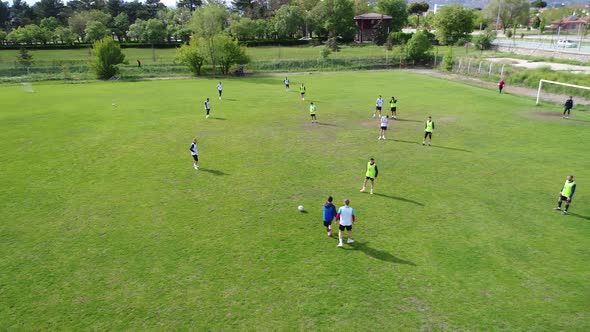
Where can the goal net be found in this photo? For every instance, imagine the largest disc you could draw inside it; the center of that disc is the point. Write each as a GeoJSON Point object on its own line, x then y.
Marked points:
{"type": "Point", "coordinates": [541, 82]}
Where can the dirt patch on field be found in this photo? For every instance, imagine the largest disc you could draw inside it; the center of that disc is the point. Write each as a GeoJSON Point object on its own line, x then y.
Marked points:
{"type": "Point", "coordinates": [370, 124]}
{"type": "Point", "coordinates": [556, 116]}
{"type": "Point", "coordinates": [446, 119]}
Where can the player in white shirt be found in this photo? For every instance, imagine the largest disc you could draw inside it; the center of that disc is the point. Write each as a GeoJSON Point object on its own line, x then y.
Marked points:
{"type": "Point", "coordinates": [346, 218]}
{"type": "Point", "coordinates": [219, 89]}
{"type": "Point", "coordinates": [287, 84]}
{"type": "Point", "coordinates": [384, 123]}
{"type": "Point", "coordinates": [378, 106]}
{"type": "Point", "coordinates": [195, 153]}
{"type": "Point", "coordinates": [207, 107]}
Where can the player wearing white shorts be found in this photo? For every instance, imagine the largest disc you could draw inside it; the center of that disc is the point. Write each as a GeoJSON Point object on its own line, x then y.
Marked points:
{"type": "Point", "coordinates": [220, 89]}
{"type": "Point", "coordinates": [384, 123]}
{"type": "Point", "coordinates": [378, 106]}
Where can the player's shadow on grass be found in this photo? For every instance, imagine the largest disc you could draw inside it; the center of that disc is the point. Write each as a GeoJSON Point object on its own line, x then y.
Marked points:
{"type": "Point", "coordinates": [218, 118]}
{"type": "Point", "coordinates": [432, 146]}
{"type": "Point", "coordinates": [578, 120]}
{"type": "Point", "coordinates": [213, 171]}
{"type": "Point", "coordinates": [326, 124]}
{"type": "Point", "coordinates": [399, 199]}
{"type": "Point", "coordinates": [379, 254]}
{"type": "Point", "coordinates": [579, 216]}
{"type": "Point", "coordinates": [407, 120]}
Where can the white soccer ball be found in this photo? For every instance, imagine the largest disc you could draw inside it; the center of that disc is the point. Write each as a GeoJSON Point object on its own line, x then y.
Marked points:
{"type": "Point", "coordinates": [300, 208]}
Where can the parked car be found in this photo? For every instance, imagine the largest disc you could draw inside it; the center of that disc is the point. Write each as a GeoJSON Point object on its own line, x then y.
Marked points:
{"type": "Point", "coordinates": [566, 43]}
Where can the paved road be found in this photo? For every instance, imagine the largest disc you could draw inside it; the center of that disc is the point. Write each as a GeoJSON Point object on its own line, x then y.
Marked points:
{"type": "Point", "coordinates": [540, 46]}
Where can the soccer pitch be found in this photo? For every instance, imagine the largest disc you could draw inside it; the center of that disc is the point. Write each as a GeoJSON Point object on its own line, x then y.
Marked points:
{"type": "Point", "coordinates": [107, 226]}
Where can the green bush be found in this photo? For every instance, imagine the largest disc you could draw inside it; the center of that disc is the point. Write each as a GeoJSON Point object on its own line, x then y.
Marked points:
{"type": "Point", "coordinates": [107, 56]}
{"type": "Point", "coordinates": [418, 47]}
{"type": "Point", "coordinates": [484, 40]}
{"type": "Point", "coordinates": [509, 33]}
{"type": "Point", "coordinates": [447, 61]}
{"type": "Point", "coordinates": [190, 56]}
{"type": "Point", "coordinates": [325, 52]}
{"type": "Point", "coordinates": [399, 38]}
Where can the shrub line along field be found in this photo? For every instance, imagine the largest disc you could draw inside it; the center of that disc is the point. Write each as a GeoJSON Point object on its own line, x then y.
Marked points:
{"type": "Point", "coordinates": [106, 225]}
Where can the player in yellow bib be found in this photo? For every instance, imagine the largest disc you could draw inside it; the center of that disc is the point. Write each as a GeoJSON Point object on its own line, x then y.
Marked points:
{"type": "Point", "coordinates": [428, 129]}
{"type": "Point", "coordinates": [371, 174]}
{"type": "Point", "coordinates": [302, 91]}
{"type": "Point", "coordinates": [312, 111]}
{"type": "Point", "coordinates": [566, 194]}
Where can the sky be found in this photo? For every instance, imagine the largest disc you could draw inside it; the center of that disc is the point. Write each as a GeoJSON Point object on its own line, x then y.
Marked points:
{"type": "Point", "coordinates": [168, 3]}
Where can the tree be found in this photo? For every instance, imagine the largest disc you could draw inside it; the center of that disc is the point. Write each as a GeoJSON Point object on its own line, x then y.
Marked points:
{"type": "Point", "coordinates": [79, 21]}
{"type": "Point", "coordinates": [381, 34]}
{"type": "Point", "coordinates": [64, 35]}
{"type": "Point", "coordinates": [115, 7]}
{"type": "Point", "coordinates": [339, 18]}
{"type": "Point", "coordinates": [48, 8]}
{"type": "Point", "coordinates": [137, 30]}
{"type": "Point", "coordinates": [21, 13]}
{"type": "Point", "coordinates": [190, 55]}
{"type": "Point", "coordinates": [362, 7]}
{"type": "Point", "coordinates": [154, 31]}
{"type": "Point", "coordinates": [4, 15]}
{"type": "Point", "coordinates": [484, 40]}
{"type": "Point", "coordinates": [136, 10]}
{"type": "Point", "coordinates": [189, 4]}
{"type": "Point", "coordinates": [208, 22]}
{"type": "Point", "coordinates": [3, 35]}
{"type": "Point", "coordinates": [153, 7]}
{"type": "Point", "coordinates": [107, 56]}
{"type": "Point", "coordinates": [452, 23]}
{"type": "Point", "coordinates": [96, 30]}
{"type": "Point", "coordinates": [24, 58]}
{"type": "Point", "coordinates": [418, 9]}
{"type": "Point", "coordinates": [230, 53]}
{"type": "Point", "coordinates": [448, 61]}
{"type": "Point", "coordinates": [120, 26]}
{"type": "Point", "coordinates": [49, 23]}
{"type": "Point", "coordinates": [536, 22]}
{"type": "Point", "coordinates": [539, 4]}
{"type": "Point", "coordinates": [397, 9]}
{"type": "Point", "coordinates": [418, 47]}
{"type": "Point", "coordinates": [510, 11]}
{"type": "Point", "coordinates": [288, 20]}
{"type": "Point", "coordinates": [243, 28]}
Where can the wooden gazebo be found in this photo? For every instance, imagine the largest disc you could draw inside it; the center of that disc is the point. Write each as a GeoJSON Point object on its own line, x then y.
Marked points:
{"type": "Point", "coordinates": [366, 24]}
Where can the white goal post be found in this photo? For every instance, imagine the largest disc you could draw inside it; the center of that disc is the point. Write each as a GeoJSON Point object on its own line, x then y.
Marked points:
{"type": "Point", "coordinates": [558, 83]}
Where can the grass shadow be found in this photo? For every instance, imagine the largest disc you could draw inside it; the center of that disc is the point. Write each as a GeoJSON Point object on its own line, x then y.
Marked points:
{"type": "Point", "coordinates": [217, 118]}
{"type": "Point", "coordinates": [326, 124]}
{"type": "Point", "coordinates": [213, 171]}
{"type": "Point", "coordinates": [579, 216]}
{"type": "Point", "coordinates": [578, 120]}
{"type": "Point", "coordinates": [402, 141]}
{"type": "Point", "coordinates": [399, 199]}
{"type": "Point", "coordinates": [379, 254]}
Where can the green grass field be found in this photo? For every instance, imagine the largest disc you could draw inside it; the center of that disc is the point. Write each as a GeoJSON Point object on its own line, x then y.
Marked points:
{"type": "Point", "coordinates": [106, 225]}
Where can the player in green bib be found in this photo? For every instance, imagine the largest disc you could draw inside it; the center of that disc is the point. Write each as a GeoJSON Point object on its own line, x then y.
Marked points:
{"type": "Point", "coordinates": [371, 174]}
{"type": "Point", "coordinates": [393, 107]}
{"type": "Point", "coordinates": [312, 111]}
{"type": "Point", "coordinates": [428, 129]}
{"type": "Point", "coordinates": [566, 194]}
{"type": "Point", "coordinates": [302, 91]}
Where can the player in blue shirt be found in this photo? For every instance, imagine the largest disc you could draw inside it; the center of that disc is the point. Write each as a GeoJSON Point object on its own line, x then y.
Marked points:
{"type": "Point", "coordinates": [329, 214]}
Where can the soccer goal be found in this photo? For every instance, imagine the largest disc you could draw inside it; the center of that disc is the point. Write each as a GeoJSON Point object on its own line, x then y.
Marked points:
{"type": "Point", "coordinates": [558, 83]}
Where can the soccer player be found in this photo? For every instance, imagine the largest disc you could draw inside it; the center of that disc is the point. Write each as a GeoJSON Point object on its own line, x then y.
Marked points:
{"type": "Point", "coordinates": [287, 84]}
{"type": "Point", "coordinates": [501, 85]}
{"type": "Point", "coordinates": [195, 153]}
{"type": "Point", "coordinates": [566, 194]}
{"type": "Point", "coordinates": [393, 107]}
{"type": "Point", "coordinates": [371, 174]}
{"type": "Point", "coordinates": [329, 214]}
{"type": "Point", "coordinates": [384, 122]}
{"type": "Point", "coordinates": [428, 129]}
{"type": "Point", "coordinates": [207, 107]}
{"type": "Point", "coordinates": [567, 107]}
{"type": "Point", "coordinates": [219, 89]}
{"type": "Point", "coordinates": [378, 106]}
{"type": "Point", "coordinates": [346, 218]}
{"type": "Point", "coordinates": [312, 111]}
{"type": "Point", "coordinates": [302, 91]}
